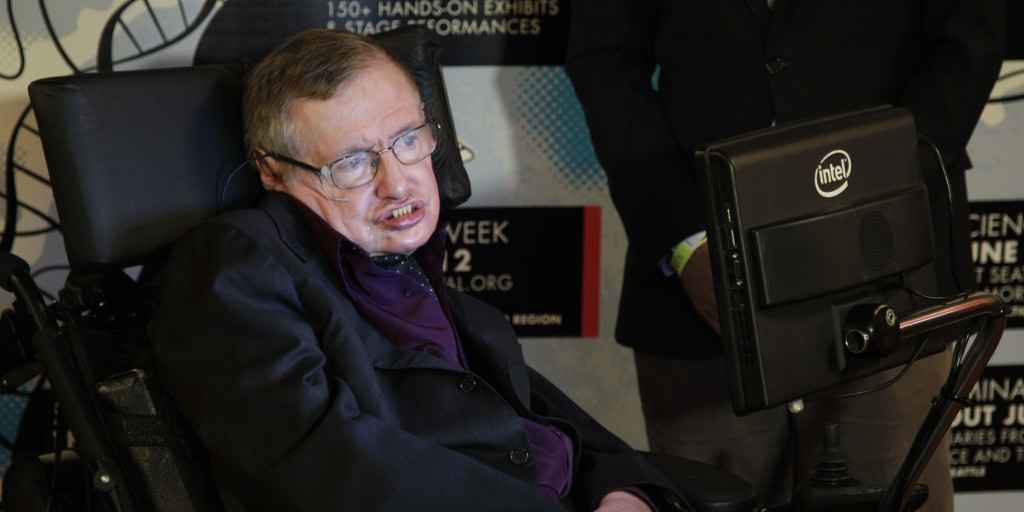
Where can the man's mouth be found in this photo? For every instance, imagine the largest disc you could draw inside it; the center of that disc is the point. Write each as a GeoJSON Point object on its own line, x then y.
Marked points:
{"type": "Point", "coordinates": [405, 210]}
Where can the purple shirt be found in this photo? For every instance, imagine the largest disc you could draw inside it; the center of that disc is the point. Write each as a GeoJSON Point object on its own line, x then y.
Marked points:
{"type": "Point", "coordinates": [411, 311]}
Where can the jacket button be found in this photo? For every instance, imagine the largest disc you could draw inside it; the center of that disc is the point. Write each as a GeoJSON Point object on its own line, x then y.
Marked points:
{"type": "Point", "coordinates": [468, 384]}
{"type": "Point", "coordinates": [775, 66]}
{"type": "Point", "coordinates": [519, 456]}
{"type": "Point", "coordinates": [408, 292]}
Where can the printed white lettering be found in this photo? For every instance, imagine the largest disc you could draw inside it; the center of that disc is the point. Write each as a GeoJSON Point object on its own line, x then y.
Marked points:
{"type": "Point", "coordinates": [832, 176]}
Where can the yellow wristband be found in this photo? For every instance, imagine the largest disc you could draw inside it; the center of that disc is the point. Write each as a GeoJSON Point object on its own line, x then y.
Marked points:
{"type": "Point", "coordinates": [682, 252]}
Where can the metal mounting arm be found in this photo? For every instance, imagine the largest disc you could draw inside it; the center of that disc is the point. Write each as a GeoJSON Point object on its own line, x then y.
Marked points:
{"type": "Point", "coordinates": [954, 393]}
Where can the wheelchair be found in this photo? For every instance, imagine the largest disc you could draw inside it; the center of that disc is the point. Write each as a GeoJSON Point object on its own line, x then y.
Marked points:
{"type": "Point", "coordinates": [136, 158]}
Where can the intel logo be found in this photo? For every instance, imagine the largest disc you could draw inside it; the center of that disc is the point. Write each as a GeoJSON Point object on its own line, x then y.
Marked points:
{"type": "Point", "coordinates": [833, 174]}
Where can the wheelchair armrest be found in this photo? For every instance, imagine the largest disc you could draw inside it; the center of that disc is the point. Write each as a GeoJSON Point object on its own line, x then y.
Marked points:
{"type": "Point", "coordinates": [706, 487]}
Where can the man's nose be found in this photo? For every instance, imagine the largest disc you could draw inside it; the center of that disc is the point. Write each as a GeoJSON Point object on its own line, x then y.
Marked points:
{"type": "Point", "coordinates": [391, 176]}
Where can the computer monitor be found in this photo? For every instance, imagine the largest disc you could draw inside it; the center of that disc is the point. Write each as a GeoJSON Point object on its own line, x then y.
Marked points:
{"type": "Point", "coordinates": [813, 227]}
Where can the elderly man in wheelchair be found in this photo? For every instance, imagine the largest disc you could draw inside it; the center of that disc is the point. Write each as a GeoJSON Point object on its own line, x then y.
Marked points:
{"type": "Point", "coordinates": [312, 345]}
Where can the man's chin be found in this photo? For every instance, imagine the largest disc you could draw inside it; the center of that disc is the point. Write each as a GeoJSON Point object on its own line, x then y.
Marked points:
{"type": "Point", "coordinates": [393, 245]}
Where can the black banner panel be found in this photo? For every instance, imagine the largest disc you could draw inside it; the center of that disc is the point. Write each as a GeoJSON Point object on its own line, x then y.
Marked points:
{"type": "Point", "coordinates": [474, 32]}
{"type": "Point", "coordinates": [997, 229]}
{"type": "Point", "coordinates": [987, 437]}
{"type": "Point", "coordinates": [539, 266]}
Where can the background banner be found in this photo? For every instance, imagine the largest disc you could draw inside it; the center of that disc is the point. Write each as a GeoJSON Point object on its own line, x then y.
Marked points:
{"type": "Point", "coordinates": [987, 437]}
{"type": "Point", "coordinates": [539, 266]}
{"type": "Point", "coordinates": [475, 32]}
{"type": "Point", "coordinates": [997, 229]}
{"type": "Point", "coordinates": [529, 156]}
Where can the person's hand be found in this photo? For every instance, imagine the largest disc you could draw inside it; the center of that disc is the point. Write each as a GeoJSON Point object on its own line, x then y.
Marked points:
{"type": "Point", "coordinates": [699, 285]}
{"type": "Point", "coordinates": [622, 501]}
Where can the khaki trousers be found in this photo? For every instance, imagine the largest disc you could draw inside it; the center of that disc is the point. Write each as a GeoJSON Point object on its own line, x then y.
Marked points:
{"type": "Point", "coordinates": [688, 413]}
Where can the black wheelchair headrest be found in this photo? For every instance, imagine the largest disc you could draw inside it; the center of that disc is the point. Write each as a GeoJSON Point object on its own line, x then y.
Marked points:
{"type": "Point", "coordinates": [420, 49]}
{"type": "Point", "coordinates": [137, 157]}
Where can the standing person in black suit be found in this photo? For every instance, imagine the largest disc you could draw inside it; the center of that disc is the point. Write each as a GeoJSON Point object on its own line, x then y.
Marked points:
{"type": "Point", "coordinates": [725, 67]}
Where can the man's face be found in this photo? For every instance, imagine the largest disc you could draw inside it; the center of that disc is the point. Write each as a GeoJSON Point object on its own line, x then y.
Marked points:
{"type": "Point", "coordinates": [397, 212]}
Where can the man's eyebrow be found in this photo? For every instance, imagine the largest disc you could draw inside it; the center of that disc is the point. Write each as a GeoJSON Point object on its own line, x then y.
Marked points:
{"type": "Point", "coordinates": [412, 125]}
{"type": "Point", "coordinates": [351, 150]}
{"type": "Point", "coordinates": [408, 127]}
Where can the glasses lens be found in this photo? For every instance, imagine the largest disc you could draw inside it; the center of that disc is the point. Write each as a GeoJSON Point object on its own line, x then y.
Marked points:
{"type": "Point", "coordinates": [353, 170]}
{"type": "Point", "coordinates": [414, 145]}
{"type": "Point", "coordinates": [409, 148]}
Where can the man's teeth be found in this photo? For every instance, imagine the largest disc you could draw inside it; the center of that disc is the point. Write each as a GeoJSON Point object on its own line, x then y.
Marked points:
{"type": "Point", "coordinates": [405, 210]}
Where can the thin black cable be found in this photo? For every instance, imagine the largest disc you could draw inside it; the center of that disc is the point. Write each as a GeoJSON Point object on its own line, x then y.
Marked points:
{"type": "Point", "coordinates": [222, 200]}
{"type": "Point", "coordinates": [890, 382]}
{"type": "Point", "coordinates": [11, 219]}
{"type": "Point", "coordinates": [930, 297]}
{"type": "Point", "coordinates": [59, 445]}
{"type": "Point", "coordinates": [956, 363]}
{"type": "Point", "coordinates": [50, 268]}
{"type": "Point", "coordinates": [960, 349]}
{"type": "Point", "coordinates": [949, 205]}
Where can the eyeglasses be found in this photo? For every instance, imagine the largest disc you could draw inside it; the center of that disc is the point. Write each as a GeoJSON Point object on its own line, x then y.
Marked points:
{"type": "Point", "coordinates": [358, 169]}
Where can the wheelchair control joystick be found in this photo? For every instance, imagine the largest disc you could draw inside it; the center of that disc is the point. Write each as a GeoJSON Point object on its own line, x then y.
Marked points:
{"type": "Point", "coordinates": [831, 488]}
{"type": "Point", "coordinates": [831, 465]}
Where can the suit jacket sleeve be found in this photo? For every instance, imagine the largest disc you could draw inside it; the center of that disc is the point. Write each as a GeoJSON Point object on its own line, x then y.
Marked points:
{"type": "Point", "coordinates": [610, 62]}
{"type": "Point", "coordinates": [603, 462]}
{"type": "Point", "coordinates": [952, 83]}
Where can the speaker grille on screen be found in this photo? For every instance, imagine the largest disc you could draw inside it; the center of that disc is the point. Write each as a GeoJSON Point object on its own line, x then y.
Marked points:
{"type": "Point", "coordinates": [876, 241]}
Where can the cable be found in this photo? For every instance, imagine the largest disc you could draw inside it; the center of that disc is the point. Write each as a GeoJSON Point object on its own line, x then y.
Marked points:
{"type": "Point", "coordinates": [50, 268]}
{"type": "Point", "coordinates": [906, 368]}
{"type": "Point", "coordinates": [222, 200]}
{"type": "Point", "coordinates": [959, 352]}
{"type": "Point", "coordinates": [925, 296]}
{"type": "Point", "coordinates": [949, 205]}
{"type": "Point", "coordinates": [11, 212]}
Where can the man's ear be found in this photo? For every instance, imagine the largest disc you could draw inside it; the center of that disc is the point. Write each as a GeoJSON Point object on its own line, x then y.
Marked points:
{"type": "Point", "coordinates": [270, 175]}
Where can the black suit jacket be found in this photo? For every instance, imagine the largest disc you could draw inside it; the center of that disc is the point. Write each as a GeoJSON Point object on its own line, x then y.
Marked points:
{"type": "Point", "coordinates": [303, 406]}
{"type": "Point", "coordinates": [732, 66]}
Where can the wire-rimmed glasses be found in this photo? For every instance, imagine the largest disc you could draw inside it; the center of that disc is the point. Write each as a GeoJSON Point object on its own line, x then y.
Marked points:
{"type": "Point", "coordinates": [358, 169]}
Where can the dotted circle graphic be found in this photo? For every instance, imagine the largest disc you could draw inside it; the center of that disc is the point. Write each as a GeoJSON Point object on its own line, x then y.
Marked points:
{"type": "Point", "coordinates": [551, 118]}
{"type": "Point", "coordinates": [11, 409]}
